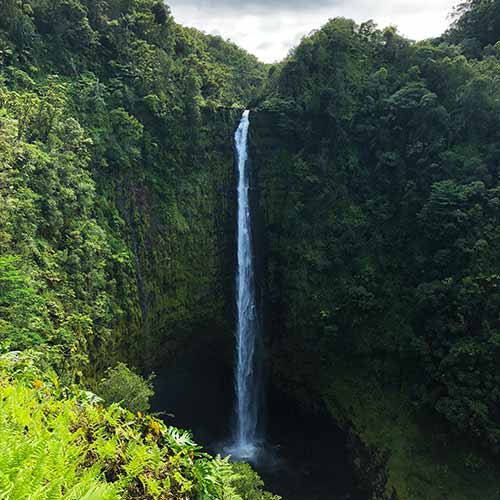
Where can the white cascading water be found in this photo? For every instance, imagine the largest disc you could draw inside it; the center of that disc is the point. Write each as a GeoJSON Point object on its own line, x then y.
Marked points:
{"type": "Point", "coordinates": [247, 391]}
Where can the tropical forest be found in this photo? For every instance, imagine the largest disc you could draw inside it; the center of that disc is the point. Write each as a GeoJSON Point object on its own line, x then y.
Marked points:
{"type": "Point", "coordinates": [228, 279]}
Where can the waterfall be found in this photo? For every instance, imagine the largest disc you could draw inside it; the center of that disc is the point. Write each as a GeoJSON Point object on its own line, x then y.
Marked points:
{"type": "Point", "coordinates": [247, 331]}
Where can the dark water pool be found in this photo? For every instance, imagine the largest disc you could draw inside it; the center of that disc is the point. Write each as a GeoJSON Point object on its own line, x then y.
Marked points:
{"type": "Point", "coordinates": [306, 455]}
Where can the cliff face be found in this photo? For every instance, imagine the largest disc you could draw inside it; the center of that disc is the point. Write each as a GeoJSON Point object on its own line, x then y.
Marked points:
{"type": "Point", "coordinates": [324, 307]}
{"type": "Point", "coordinates": [180, 227]}
{"type": "Point", "coordinates": [376, 192]}
{"type": "Point", "coordinates": [117, 193]}
{"type": "Point", "coordinates": [103, 263]}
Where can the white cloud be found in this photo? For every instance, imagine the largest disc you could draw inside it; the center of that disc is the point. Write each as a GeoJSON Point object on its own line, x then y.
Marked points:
{"type": "Point", "coordinates": [269, 28]}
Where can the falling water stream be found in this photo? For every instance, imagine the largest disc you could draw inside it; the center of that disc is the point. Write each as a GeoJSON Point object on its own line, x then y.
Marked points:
{"type": "Point", "coordinates": [245, 444]}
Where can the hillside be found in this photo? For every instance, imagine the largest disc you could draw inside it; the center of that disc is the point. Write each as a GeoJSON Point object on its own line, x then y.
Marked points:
{"type": "Point", "coordinates": [116, 156]}
{"type": "Point", "coordinates": [378, 165]}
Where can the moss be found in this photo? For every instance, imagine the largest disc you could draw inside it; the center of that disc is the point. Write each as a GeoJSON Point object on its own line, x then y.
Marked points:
{"type": "Point", "coordinates": [422, 461]}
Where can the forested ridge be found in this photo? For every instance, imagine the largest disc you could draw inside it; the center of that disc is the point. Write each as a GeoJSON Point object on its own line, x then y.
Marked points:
{"type": "Point", "coordinates": [112, 123]}
{"type": "Point", "coordinates": [116, 171]}
{"type": "Point", "coordinates": [376, 165]}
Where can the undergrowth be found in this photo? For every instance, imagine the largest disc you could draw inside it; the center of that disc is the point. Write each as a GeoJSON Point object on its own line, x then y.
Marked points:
{"type": "Point", "coordinates": [60, 442]}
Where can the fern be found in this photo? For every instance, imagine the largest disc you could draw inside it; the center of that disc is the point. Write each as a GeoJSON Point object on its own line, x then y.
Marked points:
{"type": "Point", "coordinates": [54, 447]}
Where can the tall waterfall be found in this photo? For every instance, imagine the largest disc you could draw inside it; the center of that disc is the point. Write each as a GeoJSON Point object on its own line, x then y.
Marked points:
{"type": "Point", "coordinates": [247, 377]}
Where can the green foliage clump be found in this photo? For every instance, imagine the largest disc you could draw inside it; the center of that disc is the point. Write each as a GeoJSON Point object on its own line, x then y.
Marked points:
{"type": "Point", "coordinates": [249, 485]}
{"type": "Point", "coordinates": [56, 444]}
{"type": "Point", "coordinates": [122, 385]}
{"type": "Point", "coordinates": [476, 25]}
{"type": "Point", "coordinates": [23, 320]}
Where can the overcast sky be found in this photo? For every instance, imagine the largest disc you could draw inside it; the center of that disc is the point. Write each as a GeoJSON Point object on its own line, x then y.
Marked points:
{"type": "Point", "coordinates": [269, 28]}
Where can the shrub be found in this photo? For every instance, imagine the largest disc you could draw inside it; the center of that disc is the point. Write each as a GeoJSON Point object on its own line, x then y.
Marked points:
{"type": "Point", "coordinates": [249, 485]}
{"type": "Point", "coordinates": [122, 385]}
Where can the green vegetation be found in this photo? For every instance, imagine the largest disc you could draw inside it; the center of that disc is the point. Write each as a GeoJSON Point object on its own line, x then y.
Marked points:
{"type": "Point", "coordinates": [378, 183]}
{"type": "Point", "coordinates": [476, 26]}
{"type": "Point", "coordinates": [122, 385]}
{"type": "Point", "coordinates": [410, 453]}
{"type": "Point", "coordinates": [378, 168]}
{"type": "Point", "coordinates": [56, 443]}
{"type": "Point", "coordinates": [249, 485]}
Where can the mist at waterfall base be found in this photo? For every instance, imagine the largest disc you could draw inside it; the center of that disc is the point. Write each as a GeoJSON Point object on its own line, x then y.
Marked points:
{"type": "Point", "coordinates": [304, 454]}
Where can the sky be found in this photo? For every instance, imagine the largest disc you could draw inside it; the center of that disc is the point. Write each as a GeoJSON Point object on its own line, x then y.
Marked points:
{"type": "Point", "coordinates": [270, 28]}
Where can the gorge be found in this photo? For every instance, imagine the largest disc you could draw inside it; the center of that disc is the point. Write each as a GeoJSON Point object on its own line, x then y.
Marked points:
{"type": "Point", "coordinates": [368, 168]}
{"type": "Point", "coordinates": [288, 459]}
